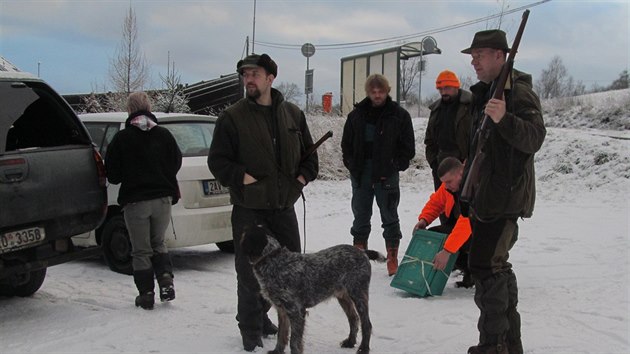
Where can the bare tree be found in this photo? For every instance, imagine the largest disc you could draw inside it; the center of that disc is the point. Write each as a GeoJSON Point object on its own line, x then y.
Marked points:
{"type": "Point", "coordinates": [555, 81]}
{"type": "Point", "coordinates": [550, 83]}
{"type": "Point", "coordinates": [409, 71]}
{"type": "Point", "coordinates": [466, 81]}
{"type": "Point", "coordinates": [129, 70]}
{"type": "Point", "coordinates": [290, 91]}
{"type": "Point", "coordinates": [172, 98]}
{"type": "Point", "coordinates": [621, 82]}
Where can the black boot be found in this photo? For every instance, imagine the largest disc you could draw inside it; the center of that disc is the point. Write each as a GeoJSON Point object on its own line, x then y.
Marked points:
{"type": "Point", "coordinates": [167, 290]}
{"type": "Point", "coordinates": [269, 329]}
{"type": "Point", "coordinates": [145, 284]}
{"type": "Point", "coordinates": [251, 341]}
{"type": "Point", "coordinates": [164, 274]}
{"type": "Point", "coordinates": [146, 300]}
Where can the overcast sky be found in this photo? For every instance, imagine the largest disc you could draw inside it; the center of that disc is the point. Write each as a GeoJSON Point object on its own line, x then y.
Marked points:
{"type": "Point", "coordinates": [71, 42]}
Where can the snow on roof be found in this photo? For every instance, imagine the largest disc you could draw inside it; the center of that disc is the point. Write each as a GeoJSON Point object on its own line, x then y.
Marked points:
{"type": "Point", "coordinates": [6, 65]}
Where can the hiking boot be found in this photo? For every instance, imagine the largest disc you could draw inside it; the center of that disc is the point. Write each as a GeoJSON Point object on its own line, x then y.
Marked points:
{"type": "Point", "coordinates": [360, 244]}
{"type": "Point", "coordinates": [269, 329]}
{"type": "Point", "coordinates": [167, 290]}
{"type": "Point", "coordinates": [392, 261]}
{"type": "Point", "coordinates": [488, 349]}
{"type": "Point", "coordinates": [251, 341]}
{"type": "Point", "coordinates": [146, 300]}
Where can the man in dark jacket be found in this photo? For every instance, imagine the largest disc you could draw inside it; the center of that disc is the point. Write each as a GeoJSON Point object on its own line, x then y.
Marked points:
{"type": "Point", "coordinates": [448, 130]}
{"type": "Point", "coordinates": [505, 191]}
{"type": "Point", "coordinates": [378, 142]}
{"type": "Point", "coordinates": [145, 158]}
{"type": "Point", "coordinates": [258, 151]}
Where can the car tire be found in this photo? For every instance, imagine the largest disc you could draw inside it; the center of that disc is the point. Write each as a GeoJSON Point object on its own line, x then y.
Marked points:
{"type": "Point", "coordinates": [116, 245]}
{"type": "Point", "coordinates": [226, 246]}
{"type": "Point", "coordinates": [35, 281]}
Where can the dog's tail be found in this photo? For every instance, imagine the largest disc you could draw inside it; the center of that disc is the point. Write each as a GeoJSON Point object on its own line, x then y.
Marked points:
{"type": "Point", "coordinates": [375, 256]}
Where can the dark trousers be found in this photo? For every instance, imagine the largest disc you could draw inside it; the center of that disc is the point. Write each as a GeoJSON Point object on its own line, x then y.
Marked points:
{"type": "Point", "coordinates": [496, 291]}
{"type": "Point", "coordinates": [387, 195]}
{"type": "Point", "coordinates": [252, 308]}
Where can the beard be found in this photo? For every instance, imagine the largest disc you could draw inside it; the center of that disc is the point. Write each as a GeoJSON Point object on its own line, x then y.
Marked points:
{"type": "Point", "coordinates": [447, 98]}
{"type": "Point", "coordinates": [253, 92]}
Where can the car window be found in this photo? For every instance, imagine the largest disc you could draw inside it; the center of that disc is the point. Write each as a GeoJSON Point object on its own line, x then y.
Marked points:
{"type": "Point", "coordinates": [102, 134]}
{"type": "Point", "coordinates": [193, 138]}
{"type": "Point", "coordinates": [33, 116]}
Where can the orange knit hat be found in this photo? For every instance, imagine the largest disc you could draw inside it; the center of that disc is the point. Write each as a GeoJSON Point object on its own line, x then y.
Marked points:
{"type": "Point", "coordinates": [446, 78]}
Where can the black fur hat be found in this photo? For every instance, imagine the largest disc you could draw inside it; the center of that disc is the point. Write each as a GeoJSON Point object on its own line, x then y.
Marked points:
{"type": "Point", "coordinates": [255, 60]}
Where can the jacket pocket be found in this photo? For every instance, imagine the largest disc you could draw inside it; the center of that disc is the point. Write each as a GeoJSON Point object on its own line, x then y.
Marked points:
{"type": "Point", "coordinates": [255, 195]}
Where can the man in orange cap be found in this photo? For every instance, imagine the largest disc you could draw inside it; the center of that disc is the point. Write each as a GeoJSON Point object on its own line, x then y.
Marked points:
{"type": "Point", "coordinates": [448, 131]}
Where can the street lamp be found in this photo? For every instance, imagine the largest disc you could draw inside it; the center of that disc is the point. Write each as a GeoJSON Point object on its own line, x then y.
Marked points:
{"type": "Point", "coordinates": [428, 45]}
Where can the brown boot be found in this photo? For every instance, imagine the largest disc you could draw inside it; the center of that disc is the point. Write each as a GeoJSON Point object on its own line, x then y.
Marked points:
{"type": "Point", "coordinates": [360, 244]}
{"type": "Point", "coordinates": [392, 260]}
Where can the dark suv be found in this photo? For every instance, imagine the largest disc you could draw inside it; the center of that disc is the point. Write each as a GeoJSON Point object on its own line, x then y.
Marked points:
{"type": "Point", "coordinates": [52, 183]}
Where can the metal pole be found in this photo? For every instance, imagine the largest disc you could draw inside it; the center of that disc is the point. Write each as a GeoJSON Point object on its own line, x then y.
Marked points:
{"type": "Point", "coordinates": [254, 29]}
{"type": "Point", "coordinates": [420, 80]}
{"type": "Point", "coordinates": [307, 64]}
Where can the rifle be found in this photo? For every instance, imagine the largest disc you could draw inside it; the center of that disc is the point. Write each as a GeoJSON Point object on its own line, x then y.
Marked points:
{"type": "Point", "coordinates": [314, 147]}
{"type": "Point", "coordinates": [483, 132]}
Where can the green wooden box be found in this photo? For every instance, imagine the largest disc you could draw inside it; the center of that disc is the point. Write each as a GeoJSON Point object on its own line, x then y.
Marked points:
{"type": "Point", "coordinates": [415, 272]}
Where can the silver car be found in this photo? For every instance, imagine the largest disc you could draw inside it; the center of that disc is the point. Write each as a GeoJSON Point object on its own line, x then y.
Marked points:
{"type": "Point", "coordinates": [201, 216]}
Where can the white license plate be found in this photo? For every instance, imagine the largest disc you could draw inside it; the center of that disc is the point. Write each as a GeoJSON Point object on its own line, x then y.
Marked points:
{"type": "Point", "coordinates": [21, 238]}
{"type": "Point", "coordinates": [213, 188]}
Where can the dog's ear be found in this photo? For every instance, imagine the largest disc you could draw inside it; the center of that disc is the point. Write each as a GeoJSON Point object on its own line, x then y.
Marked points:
{"type": "Point", "coordinates": [253, 241]}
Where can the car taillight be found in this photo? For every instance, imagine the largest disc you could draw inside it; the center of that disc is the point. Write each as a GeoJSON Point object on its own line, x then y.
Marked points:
{"type": "Point", "coordinates": [13, 162]}
{"type": "Point", "coordinates": [100, 167]}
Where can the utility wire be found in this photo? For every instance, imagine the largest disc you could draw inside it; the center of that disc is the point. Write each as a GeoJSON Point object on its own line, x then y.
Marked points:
{"type": "Point", "coordinates": [337, 46]}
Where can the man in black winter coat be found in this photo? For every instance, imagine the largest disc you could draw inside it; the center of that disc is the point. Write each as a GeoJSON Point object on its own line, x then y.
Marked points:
{"type": "Point", "coordinates": [145, 158]}
{"type": "Point", "coordinates": [378, 142]}
{"type": "Point", "coordinates": [257, 150]}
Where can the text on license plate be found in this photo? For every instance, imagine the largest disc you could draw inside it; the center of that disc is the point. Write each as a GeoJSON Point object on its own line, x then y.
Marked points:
{"type": "Point", "coordinates": [21, 238]}
{"type": "Point", "coordinates": [213, 188]}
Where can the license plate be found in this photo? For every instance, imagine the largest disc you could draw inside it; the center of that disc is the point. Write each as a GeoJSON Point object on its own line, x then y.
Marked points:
{"type": "Point", "coordinates": [213, 188]}
{"type": "Point", "coordinates": [21, 238]}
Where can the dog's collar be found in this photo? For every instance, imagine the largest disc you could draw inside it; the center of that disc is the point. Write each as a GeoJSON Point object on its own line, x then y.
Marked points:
{"type": "Point", "coordinates": [272, 253]}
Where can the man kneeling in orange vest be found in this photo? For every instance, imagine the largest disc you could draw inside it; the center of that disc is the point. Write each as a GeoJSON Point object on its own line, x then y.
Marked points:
{"type": "Point", "coordinates": [446, 200]}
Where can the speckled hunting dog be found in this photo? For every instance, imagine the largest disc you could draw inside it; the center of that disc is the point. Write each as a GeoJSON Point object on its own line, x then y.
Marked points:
{"type": "Point", "coordinates": [294, 282]}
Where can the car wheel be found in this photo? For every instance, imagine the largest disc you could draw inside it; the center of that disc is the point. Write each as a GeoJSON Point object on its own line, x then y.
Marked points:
{"type": "Point", "coordinates": [35, 281]}
{"type": "Point", "coordinates": [116, 245]}
{"type": "Point", "coordinates": [226, 246]}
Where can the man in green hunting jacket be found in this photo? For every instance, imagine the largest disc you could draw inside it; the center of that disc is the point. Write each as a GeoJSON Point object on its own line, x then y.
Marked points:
{"type": "Point", "coordinates": [506, 190]}
{"type": "Point", "coordinates": [257, 151]}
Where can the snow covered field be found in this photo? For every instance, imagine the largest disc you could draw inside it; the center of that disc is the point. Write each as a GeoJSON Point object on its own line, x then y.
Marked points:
{"type": "Point", "coordinates": [571, 260]}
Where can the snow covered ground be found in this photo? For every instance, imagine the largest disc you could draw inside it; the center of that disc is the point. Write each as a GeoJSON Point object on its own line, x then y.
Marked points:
{"type": "Point", "coordinates": [571, 260]}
